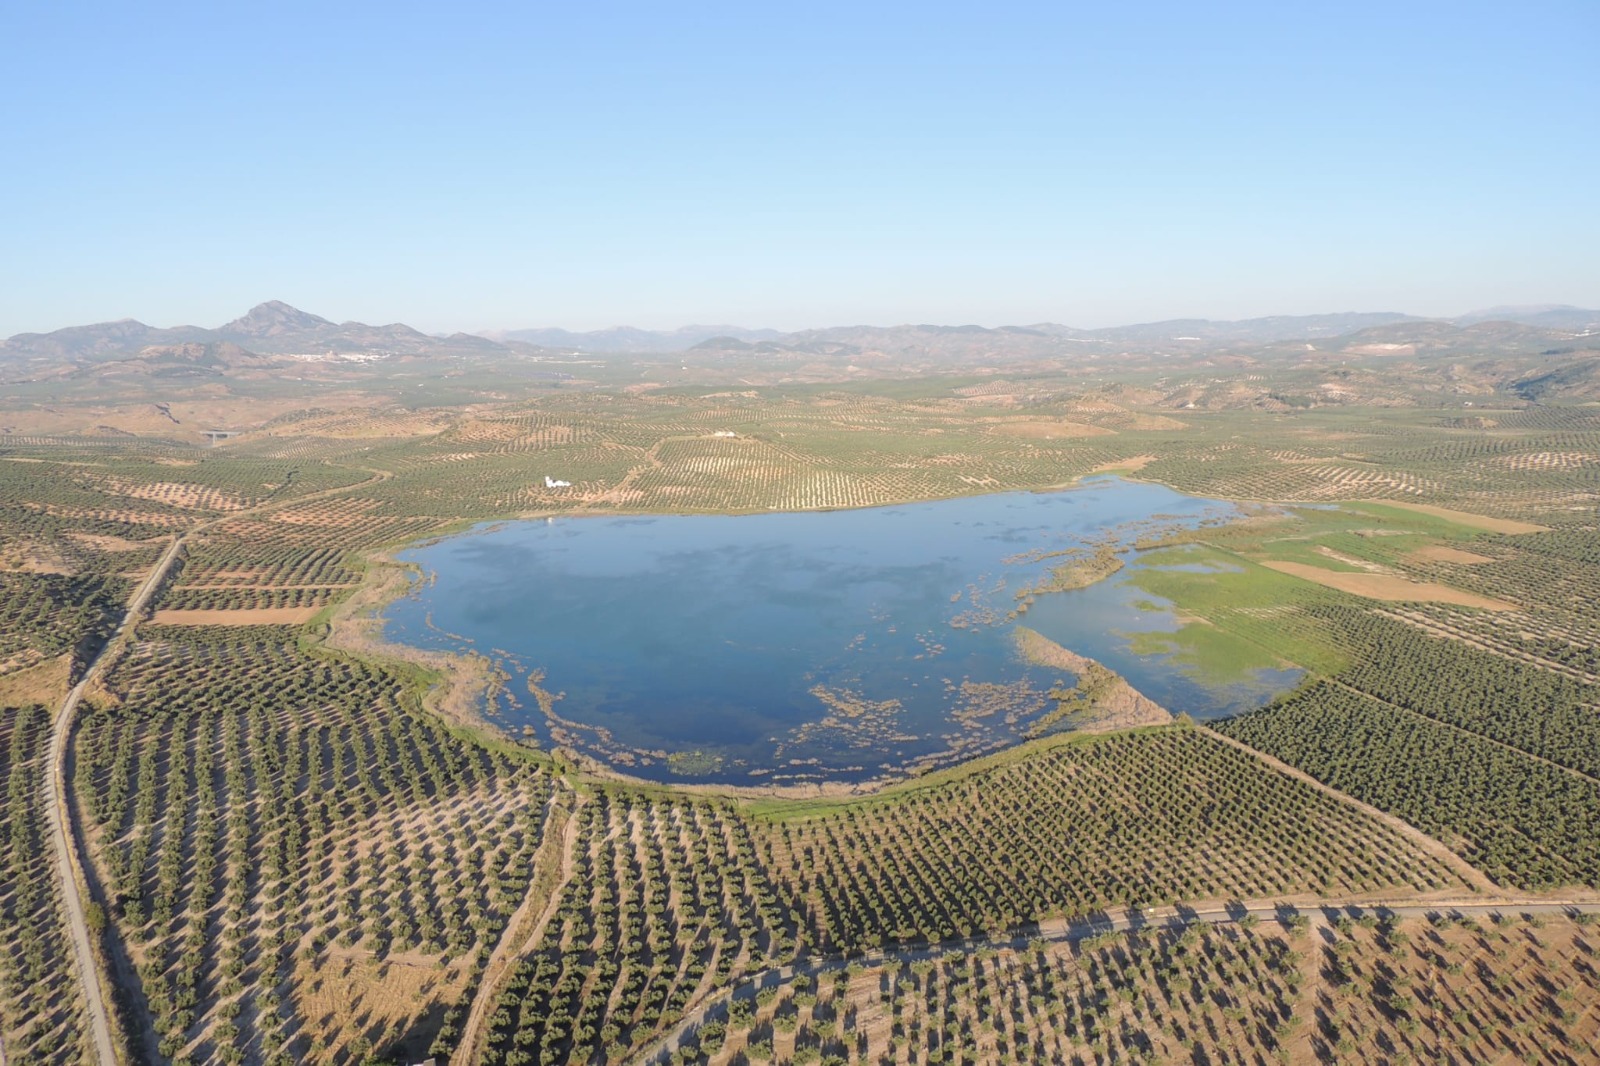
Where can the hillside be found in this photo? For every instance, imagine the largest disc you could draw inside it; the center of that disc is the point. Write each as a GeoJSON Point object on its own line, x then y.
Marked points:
{"type": "Point", "coordinates": [271, 328]}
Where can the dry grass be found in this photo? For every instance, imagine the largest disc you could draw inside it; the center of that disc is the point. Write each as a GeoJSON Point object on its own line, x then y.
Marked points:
{"type": "Point", "coordinates": [44, 682]}
{"type": "Point", "coordinates": [266, 616]}
{"type": "Point", "coordinates": [1132, 464]}
{"type": "Point", "coordinates": [1387, 587]}
{"type": "Point", "coordinates": [34, 559]}
{"type": "Point", "coordinates": [344, 996]}
{"type": "Point", "coordinates": [1146, 421]}
{"type": "Point", "coordinates": [1440, 553]}
{"type": "Point", "coordinates": [1108, 702]}
{"type": "Point", "coordinates": [1475, 521]}
{"type": "Point", "coordinates": [1050, 430]}
{"type": "Point", "coordinates": [107, 543]}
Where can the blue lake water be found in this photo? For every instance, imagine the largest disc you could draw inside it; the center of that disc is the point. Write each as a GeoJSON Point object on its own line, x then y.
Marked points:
{"type": "Point", "coordinates": [797, 647]}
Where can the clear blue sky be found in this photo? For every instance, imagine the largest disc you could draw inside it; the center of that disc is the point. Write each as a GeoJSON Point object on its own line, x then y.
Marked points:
{"type": "Point", "coordinates": [496, 165]}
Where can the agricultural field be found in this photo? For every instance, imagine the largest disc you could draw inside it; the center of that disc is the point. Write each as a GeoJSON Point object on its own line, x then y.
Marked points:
{"type": "Point", "coordinates": [1446, 988]}
{"type": "Point", "coordinates": [304, 849]}
{"type": "Point", "coordinates": [295, 818]}
{"type": "Point", "coordinates": [669, 902]}
{"type": "Point", "coordinates": [1127, 819]}
{"type": "Point", "coordinates": [41, 1014]}
{"type": "Point", "coordinates": [1525, 822]}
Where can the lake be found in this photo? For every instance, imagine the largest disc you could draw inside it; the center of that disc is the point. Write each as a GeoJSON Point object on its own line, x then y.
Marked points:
{"type": "Point", "coordinates": [790, 648]}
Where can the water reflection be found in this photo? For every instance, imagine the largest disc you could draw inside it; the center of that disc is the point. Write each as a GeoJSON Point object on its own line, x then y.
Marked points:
{"type": "Point", "coordinates": [795, 647]}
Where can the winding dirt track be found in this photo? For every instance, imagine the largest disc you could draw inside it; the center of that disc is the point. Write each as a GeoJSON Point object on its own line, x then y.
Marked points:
{"type": "Point", "coordinates": [514, 940]}
{"type": "Point", "coordinates": [1476, 878]}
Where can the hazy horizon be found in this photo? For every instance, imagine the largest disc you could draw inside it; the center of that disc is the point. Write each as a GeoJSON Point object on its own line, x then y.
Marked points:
{"type": "Point", "coordinates": [670, 326]}
{"type": "Point", "coordinates": [502, 166]}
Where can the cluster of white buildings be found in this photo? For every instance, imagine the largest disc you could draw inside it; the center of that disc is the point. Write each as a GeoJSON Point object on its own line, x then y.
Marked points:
{"type": "Point", "coordinates": [338, 357]}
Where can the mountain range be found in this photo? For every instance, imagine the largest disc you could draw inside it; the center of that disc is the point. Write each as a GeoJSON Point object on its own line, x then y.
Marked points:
{"type": "Point", "coordinates": [629, 339]}
{"type": "Point", "coordinates": [277, 329]}
{"type": "Point", "coordinates": [272, 328]}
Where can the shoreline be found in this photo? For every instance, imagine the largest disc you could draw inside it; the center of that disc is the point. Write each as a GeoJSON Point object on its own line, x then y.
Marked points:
{"type": "Point", "coordinates": [831, 793]}
{"type": "Point", "coordinates": [458, 684]}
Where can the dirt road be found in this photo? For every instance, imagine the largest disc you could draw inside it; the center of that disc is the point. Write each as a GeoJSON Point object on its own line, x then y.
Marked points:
{"type": "Point", "coordinates": [58, 814]}
{"type": "Point", "coordinates": [1084, 929]}
{"type": "Point", "coordinates": [515, 939]}
{"type": "Point", "coordinates": [62, 834]}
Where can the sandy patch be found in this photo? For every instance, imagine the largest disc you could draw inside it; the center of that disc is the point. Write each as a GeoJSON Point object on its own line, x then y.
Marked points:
{"type": "Point", "coordinates": [343, 998]}
{"type": "Point", "coordinates": [266, 616]}
{"type": "Point", "coordinates": [1141, 420]}
{"type": "Point", "coordinates": [107, 543]}
{"type": "Point", "coordinates": [35, 559]}
{"type": "Point", "coordinates": [1102, 701]}
{"type": "Point", "coordinates": [1475, 521]}
{"type": "Point", "coordinates": [44, 682]}
{"type": "Point", "coordinates": [1132, 464]}
{"type": "Point", "coordinates": [1050, 430]}
{"type": "Point", "coordinates": [265, 588]}
{"type": "Point", "coordinates": [1439, 553]}
{"type": "Point", "coordinates": [1388, 587]}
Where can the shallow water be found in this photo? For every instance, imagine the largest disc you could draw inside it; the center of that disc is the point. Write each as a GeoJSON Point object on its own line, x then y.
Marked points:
{"type": "Point", "coordinates": [788, 647]}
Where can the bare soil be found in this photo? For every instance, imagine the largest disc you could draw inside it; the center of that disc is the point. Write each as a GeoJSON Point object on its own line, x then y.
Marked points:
{"type": "Point", "coordinates": [45, 682]}
{"type": "Point", "coordinates": [1133, 464]}
{"type": "Point", "coordinates": [1475, 521]}
{"type": "Point", "coordinates": [1387, 587]}
{"type": "Point", "coordinates": [1050, 430]}
{"type": "Point", "coordinates": [266, 616]}
{"type": "Point", "coordinates": [1440, 553]}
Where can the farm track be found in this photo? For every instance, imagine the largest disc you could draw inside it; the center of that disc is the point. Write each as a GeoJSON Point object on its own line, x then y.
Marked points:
{"type": "Point", "coordinates": [77, 884]}
{"type": "Point", "coordinates": [1333, 680]}
{"type": "Point", "coordinates": [1325, 913]}
{"type": "Point", "coordinates": [1474, 877]}
{"type": "Point", "coordinates": [74, 881]}
{"type": "Point", "coordinates": [1482, 642]}
{"type": "Point", "coordinates": [652, 462]}
{"type": "Point", "coordinates": [511, 943]}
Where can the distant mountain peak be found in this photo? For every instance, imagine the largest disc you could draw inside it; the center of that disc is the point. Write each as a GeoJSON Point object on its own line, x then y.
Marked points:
{"type": "Point", "coordinates": [273, 318]}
